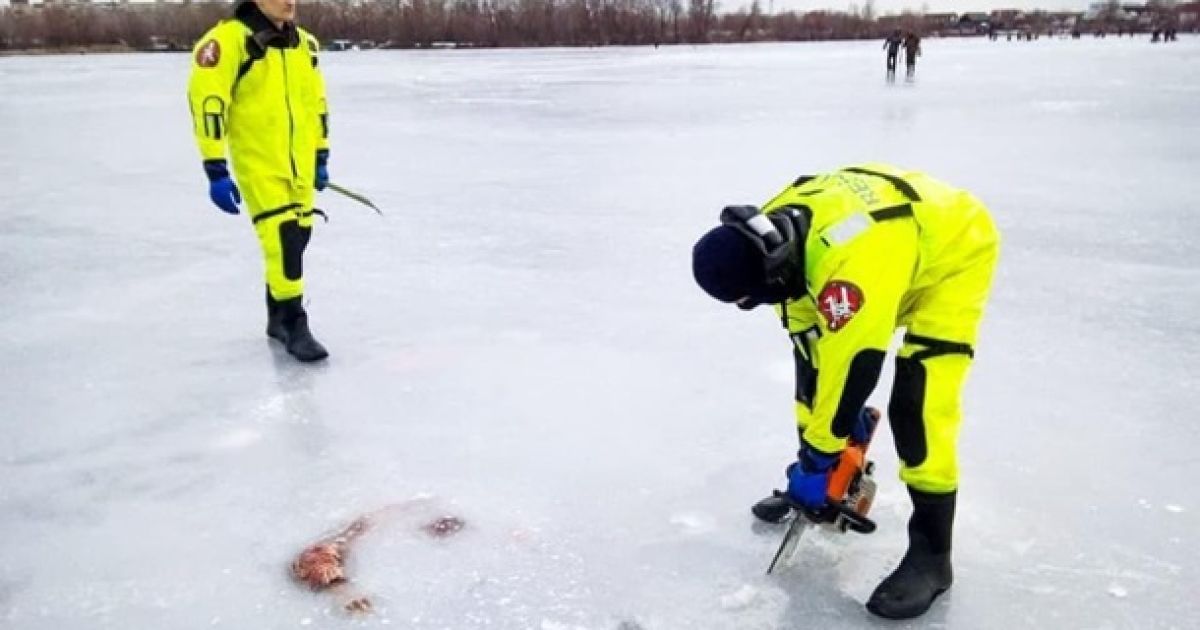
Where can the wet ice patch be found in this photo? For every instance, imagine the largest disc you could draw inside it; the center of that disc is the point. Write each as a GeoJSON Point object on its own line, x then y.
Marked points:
{"type": "Point", "coordinates": [1174, 508]}
{"type": "Point", "coordinates": [1116, 590]}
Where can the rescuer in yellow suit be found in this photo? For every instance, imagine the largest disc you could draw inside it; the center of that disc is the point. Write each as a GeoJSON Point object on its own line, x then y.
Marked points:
{"type": "Point", "coordinates": [257, 90]}
{"type": "Point", "coordinates": [847, 258]}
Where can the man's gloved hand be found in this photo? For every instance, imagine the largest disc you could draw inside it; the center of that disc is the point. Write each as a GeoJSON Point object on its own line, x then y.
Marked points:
{"type": "Point", "coordinates": [864, 427]}
{"type": "Point", "coordinates": [221, 189]}
{"type": "Point", "coordinates": [808, 478]}
{"type": "Point", "coordinates": [322, 175]}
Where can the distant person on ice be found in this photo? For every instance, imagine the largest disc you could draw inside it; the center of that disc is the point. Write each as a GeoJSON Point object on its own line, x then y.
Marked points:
{"type": "Point", "coordinates": [912, 50]}
{"type": "Point", "coordinates": [256, 88]}
{"type": "Point", "coordinates": [892, 46]}
{"type": "Point", "coordinates": [847, 258]}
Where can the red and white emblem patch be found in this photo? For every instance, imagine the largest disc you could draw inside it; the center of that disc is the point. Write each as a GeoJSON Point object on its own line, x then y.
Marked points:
{"type": "Point", "coordinates": [838, 302]}
{"type": "Point", "coordinates": [208, 55]}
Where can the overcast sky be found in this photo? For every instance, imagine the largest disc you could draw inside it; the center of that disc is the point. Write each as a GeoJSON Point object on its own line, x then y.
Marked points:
{"type": "Point", "coordinates": [896, 6]}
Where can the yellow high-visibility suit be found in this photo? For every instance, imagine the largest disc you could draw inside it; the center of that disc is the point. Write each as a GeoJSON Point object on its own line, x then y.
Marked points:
{"type": "Point", "coordinates": [258, 90]}
{"type": "Point", "coordinates": [888, 249]}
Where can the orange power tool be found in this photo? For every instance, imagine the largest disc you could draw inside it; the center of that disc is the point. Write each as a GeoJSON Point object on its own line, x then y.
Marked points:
{"type": "Point", "coordinates": [850, 493]}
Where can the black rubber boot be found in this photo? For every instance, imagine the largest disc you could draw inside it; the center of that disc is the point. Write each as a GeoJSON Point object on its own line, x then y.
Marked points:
{"type": "Point", "coordinates": [297, 337]}
{"type": "Point", "coordinates": [925, 571]}
{"type": "Point", "coordinates": [275, 329]}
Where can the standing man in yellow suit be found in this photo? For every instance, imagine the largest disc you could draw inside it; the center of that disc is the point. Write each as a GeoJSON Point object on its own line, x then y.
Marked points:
{"type": "Point", "coordinates": [847, 258]}
{"type": "Point", "coordinates": [257, 90]}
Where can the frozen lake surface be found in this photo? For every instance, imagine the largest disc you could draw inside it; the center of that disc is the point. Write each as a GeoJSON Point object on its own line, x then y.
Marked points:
{"type": "Point", "coordinates": [521, 339]}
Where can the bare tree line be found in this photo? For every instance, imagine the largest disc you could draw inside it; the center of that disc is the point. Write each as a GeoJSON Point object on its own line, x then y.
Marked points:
{"type": "Point", "coordinates": [483, 23]}
{"type": "Point", "coordinates": [424, 23]}
{"type": "Point", "coordinates": [62, 26]}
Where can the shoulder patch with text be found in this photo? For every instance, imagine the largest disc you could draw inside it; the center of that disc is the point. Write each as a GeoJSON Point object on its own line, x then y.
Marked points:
{"type": "Point", "coordinates": [838, 302]}
{"type": "Point", "coordinates": [208, 55]}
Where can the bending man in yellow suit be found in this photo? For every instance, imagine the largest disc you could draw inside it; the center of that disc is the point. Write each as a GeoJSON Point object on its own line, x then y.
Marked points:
{"type": "Point", "coordinates": [847, 258]}
{"type": "Point", "coordinates": [256, 88]}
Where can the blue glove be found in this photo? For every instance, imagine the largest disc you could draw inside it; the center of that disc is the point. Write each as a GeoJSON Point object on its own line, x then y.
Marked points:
{"type": "Point", "coordinates": [864, 427]}
{"type": "Point", "coordinates": [808, 478]}
{"type": "Point", "coordinates": [221, 189]}
{"type": "Point", "coordinates": [322, 175]}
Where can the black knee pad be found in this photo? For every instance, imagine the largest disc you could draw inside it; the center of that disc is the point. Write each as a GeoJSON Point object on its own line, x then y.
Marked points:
{"type": "Point", "coordinates": [294, 239]}
{"type": "Point", "coordinates": [860, 382]}
{"type": "Point", "coordinates": [905, 410]}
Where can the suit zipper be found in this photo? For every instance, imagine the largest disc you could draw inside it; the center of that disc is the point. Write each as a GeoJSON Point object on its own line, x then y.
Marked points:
{"type": "Point", "coordinates": [287, 99]}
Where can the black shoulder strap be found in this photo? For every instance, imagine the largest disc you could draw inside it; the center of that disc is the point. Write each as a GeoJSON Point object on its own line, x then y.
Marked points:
{"type": "Point", "coordinates": [244, 68]}
{"type": "Point", "coordinates": [262, 35]}
{"type": "Point", "coordinates": [802, 180]}
{"type": "Point", "coordinates": [255, 50]}
{"type": "Point", "coordinates": [904, 187]}
{"type": "Point", "coordinates": [892, 212]}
